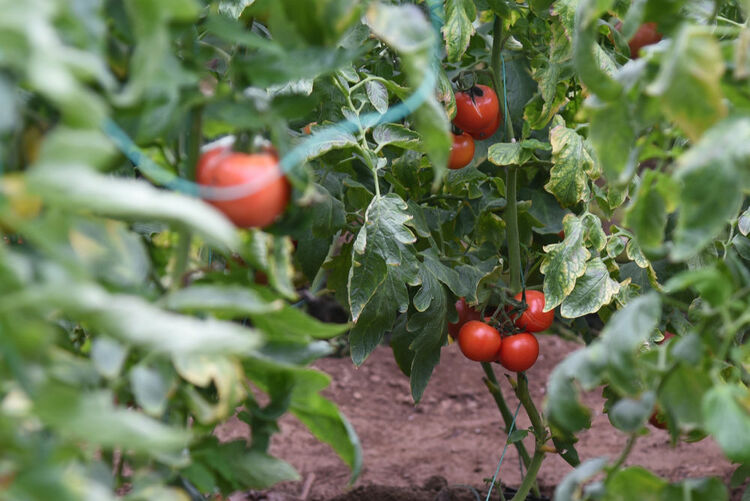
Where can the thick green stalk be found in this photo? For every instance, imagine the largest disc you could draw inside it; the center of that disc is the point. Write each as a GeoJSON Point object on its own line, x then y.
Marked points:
{"type": "Point", "coordinates": [494, 388]}
{"type": "Point", "coordinates": [522, 392]}
{"type": "Point", "coordinates": [195, 138]}
{"type": "Point", "coordinates": [511, 209]}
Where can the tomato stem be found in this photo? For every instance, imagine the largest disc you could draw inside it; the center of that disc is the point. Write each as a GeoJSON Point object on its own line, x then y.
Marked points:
{"type": "Point", "coordinates": [494, 388]}
{"type": "Point", "coordinates": [539, 430]}
{"type": "Point", "coordinates": [182, 252]}
{"type": "Point", "coordinates": [625, 452]}
{"type": "Point", "coordinates": [195, 137]}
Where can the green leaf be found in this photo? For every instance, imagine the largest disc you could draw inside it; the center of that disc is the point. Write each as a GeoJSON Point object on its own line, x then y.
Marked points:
{"type": "Point", "coordinates": [378, 95]}
{"type": "Point", "coordinates": [698, 488]}
{"type": "Point", "coordinates": [572, 162]}
{"type": "Point", "coordinates": [87, 191]}
{"type": "Point", "coordinates": [680, 390]}
{"type": "Point", "coordinates": [223, 374]}
{"type": "Point", "coordinates": [108, 356]}
{"type": "Point", "coordinates": [623, 336]}
{"type": "Point", "coordinates": [727, 418]}
{"type": "Point", "coordinates": [226, 300]}
{"type": "Point", "coordinates": [563, 263]}
{"type": "Point", "coordinates": [505, 154]}
{"type": "Point", "coordinates": [91, 417]}
{"type": "Point", "coordinates": [714, 283]}
{"type": "Point", "coordinates": [383, 263]}
{"type": "Point", "coordinates": [428, 326]}
{"type": "Point", "coordinates": [591, 62]}
{"type": "Point", "coordinates": [396, 135]}
{"type": "Point", "coordinates": [136, 321]}
{"type": "Point", "coordinates": [743, 223]}
{"type": "Point", "coordinates": [151, 389]}
{"type": "Point", "coordinates": [629, 414]}
{"type": "Point", "coordinates": [634, 483]}
{"type": "Point", "coordinates": [458, 27]}
{"type": "Point", "coordinates": [573, 481]}
{"type": "Point", "coordinates": [647, 214]}
{"type": "Point", "coordinates": [712, 175]}
{"type": "Point", "coordinates": [613, 136]}
{"type": "Point", "coordinates": [593, 290]}
{"type": "Point", "coordinates": [563, 407]}
{"type": "Point", "coordinates": [327, 138]}
{"type": "Point", "coordinates": [689, 82]}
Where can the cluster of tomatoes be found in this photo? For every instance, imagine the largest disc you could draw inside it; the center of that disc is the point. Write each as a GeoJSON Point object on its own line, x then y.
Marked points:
{"type": "Point", "coordinates": [481, 342]}
{"type": "Point", "coordinates": [478, 116]}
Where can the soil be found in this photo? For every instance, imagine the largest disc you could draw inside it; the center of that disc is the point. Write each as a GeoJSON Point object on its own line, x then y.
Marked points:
{"type": "Point", "coordinates": [451, 442]}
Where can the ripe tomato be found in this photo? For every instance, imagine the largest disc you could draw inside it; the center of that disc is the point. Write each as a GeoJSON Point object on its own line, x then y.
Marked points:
{"type": "Point", "coordinates": [534, 319]}
{"type": "Point", "coordinates": [462, 151]}
{"type": "Point", "coordinates": [667, 336]}
{"type": "Point", "coordinates": [221, 167]}
{"type": "Point", "coordinates": [488, 131]}
{"type": "Point", "coordinates": [476, 109]}
{"type": "Point", "coordinates": [519, 352]}
{"type": "Point", "coordinates": [657, 420]}
{"type": "Point", "coordinates": [465, 314]}
{"type": "Point", "coordinates": [479, 342]}
{"type": "Point", "coordinates": [646, 35]}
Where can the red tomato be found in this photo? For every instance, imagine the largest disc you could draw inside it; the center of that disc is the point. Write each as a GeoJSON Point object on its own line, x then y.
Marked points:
{"type": "Point", "coordinates": [667, 336]}
{"type": "Point", "coordinates": [519, 352]}
{"type": "Point", "coordinates": [224, 168]}
{"type": "Point", "coordinates": [462, 151]}
{"type": "Point", "coordinates": [646, 35]}
{"type": "Point", "coordinates": [534, 319]}
{"type": "Point", "coordinates": [479, 342]}
{"type": "Point", "coordinates": [307, 129]}
{"type": "Point", "coordinates": [657, 421]}
{"type": "Point", "coordinates": [476, 109]}
{"type": "Point", "coordinates": [488, 131]}
{"type": "Point", "coordinates": [465, 313]}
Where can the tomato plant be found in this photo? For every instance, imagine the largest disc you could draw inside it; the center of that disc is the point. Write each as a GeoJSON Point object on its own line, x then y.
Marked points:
{"type": "Point", "coordinates": [615, 187]}
{"type": "Point", "coordinates": [519, 352]}
{"type": "Point", "coordinates": [479, 341]}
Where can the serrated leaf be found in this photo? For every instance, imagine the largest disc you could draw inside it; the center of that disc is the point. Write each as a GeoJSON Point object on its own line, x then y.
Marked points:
{"type": "Point", "coordinates": [563, 263]}
{"type": "Point", "coordinates": [505, 154]}
{"type": "Point", "coordinates": [378, 95]}
{"type": "Point", "coordinates": [727, 418]}
{"type": "Point", "coordinates": [325, 139]}
{"type": "Point", "coordinates": [712, 175]}
{"type": "Point", "coordinates": [458, 27]}
{"type": "Point", "coordinates": [594, 289]}
{"type": "Point", "coordinates": [568, 177]}
{"type": "Point", "coordinates": [689, 82]}
{"type": "Point", "coordinates": [396, 135]}
{"type": "Point", "coordinates": [383, 263]}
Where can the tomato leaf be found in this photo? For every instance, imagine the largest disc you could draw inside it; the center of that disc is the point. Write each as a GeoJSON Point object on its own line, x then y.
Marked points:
{"type": "Point", "coordinates": [727, 418]}
{"type": "Point", "coordinates": [383, 263]}
{"type": "Point", "coordinates": [592, 290]}
{"type": "Point", "coordinates": [458, 28]}
{"type": "Point", "coordinates": [395, 135]}
{"type": "Point", "coordinates": [505, 154]}
{"type": "Point", "coordinates": [635, 483]}
{"type": "Point", "coordinates": [647, 214]}
{"type": "Point", "coordinates": [572, 164]}
{"type": "Point", "coordinates": [689, 83]}
{"type": "Point", "coordinates": [563, 263]}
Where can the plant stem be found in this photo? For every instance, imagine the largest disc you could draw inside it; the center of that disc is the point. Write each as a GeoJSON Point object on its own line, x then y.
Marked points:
{"type": "Point", "coordinates": [494, 388]}
{"type": "Point", "coordinates": [522, 392]}
{"type": "Point", "coordinates": [511, 209]}
{"type": "Point", "coordinates": [194, 142]}
{"type": "Point", "coordinates": [511, 221]}
{"type": "Point", "coordinates": [181, 258]}
{"type": "Point", "coordinates": [625, 452]}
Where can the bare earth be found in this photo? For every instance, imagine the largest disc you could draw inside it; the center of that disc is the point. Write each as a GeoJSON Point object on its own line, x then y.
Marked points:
{"type": "Point", "coordinates": [453, 433]}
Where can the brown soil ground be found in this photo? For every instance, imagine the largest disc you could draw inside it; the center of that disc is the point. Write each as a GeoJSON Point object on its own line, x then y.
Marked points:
{"type": "Point", "coordinates": [453, 434]}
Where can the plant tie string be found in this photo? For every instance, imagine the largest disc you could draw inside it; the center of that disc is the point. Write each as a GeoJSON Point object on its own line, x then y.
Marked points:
{"type": "Point", "coordinates": [505, 449]}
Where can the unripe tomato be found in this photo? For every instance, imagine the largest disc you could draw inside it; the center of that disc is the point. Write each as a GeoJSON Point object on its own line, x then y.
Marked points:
{"type": "Point", "coordinates": [221, 167]}
{"type": "Point", "coordinates": [519, 352]}
{"type": "Point", "coordinates": [465, 314]}
{"type": "Point", "coordinates": [462, 151]}
{"type": "Point", "coordinates": [534, 319]}
{"type": "Point", "coordinates": [479, 342]}
{"type": "Point", "coordinates": [646, 35]}
{"type": "Point", "coordinates": [476, 109]}
{"type": "Point", "coordinates": [488, 131]}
